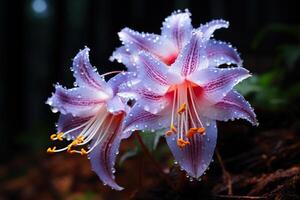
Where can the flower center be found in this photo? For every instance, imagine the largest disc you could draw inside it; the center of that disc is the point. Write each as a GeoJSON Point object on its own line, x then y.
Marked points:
{"type": "Point", "coordinates": [185, 121]}
{"type": "Point", "coordinates": [93, 132]}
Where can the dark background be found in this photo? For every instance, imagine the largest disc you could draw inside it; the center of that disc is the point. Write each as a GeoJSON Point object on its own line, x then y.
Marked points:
{"type": "Point", "coordinates": [38, 39]}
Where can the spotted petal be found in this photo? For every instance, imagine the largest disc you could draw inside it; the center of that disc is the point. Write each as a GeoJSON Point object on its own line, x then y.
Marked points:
{"type": "Point", "coordinates": [216, 83]}
{"type": "Point", "coordinates": [209, 28]}
{"type": "Point", "coordinates": [86, 75]}
{"type": "Point", "coordinates": [232, 106]}
{"type": "Point", "coordinates": [76, 101]}
{"type": "Point", "coordinates": [152, 43]}
{"type": "Point", "coordinates": [178, 29]}
{"type": "Point", "coordinates": [219, 53]}
{"type": "Point", "coordinates": [104, 154]}
{"type": "Point", "coordinates": [196, 157]}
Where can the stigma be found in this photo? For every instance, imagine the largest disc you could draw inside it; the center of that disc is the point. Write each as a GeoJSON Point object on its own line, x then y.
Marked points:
{"type": "Point", "coordinates": [185, 120]}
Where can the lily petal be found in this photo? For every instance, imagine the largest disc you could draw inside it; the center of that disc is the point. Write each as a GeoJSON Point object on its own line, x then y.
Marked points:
{"type": "Point", "coordinates": [118, 80]}
{"type": "Point", "coordinates": [152, 70]}
{"type": "Point", "coordinates": [232, 106]}
{"type": "Point", "coordinates": [216, 82]}
{"type": "Point", "coordinates": [219, 53]}
{"type": "Point", "coordinates": [196, 157]}
{"type": "Point", "coordinates": [124, 55]}
{"type": "Point", "coordinates": [115, 105]}
{"type": "Point", "coordinates": [139, 119]}
{"type": "Point", "coordinates": [178, 28]}
{"type": "Point", "coordinates": [86, 75]}
{"type": "Point", "coordinates": [77, 101]}
{"type": "Point", "coordinates": [152, 43]}
{"type": "Point", "coordinates": [72, 125]}
{"type": "Point", "coordinates": [103, 156]}
{"type": "Point", "coordinates": [191, 58]}
{"type": "Point", "coordinates": [209, 28]}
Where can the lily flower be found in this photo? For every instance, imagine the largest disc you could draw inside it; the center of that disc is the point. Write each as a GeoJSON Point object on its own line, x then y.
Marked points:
{"type": "Point", "coordinates": [91, 115]}
{"type": "Point", "coordinates": [187, 97]}
{"type": "Point", "coordinates": [176, 32]}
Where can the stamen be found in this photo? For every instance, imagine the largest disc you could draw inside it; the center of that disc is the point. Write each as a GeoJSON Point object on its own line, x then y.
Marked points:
{"type": "Point", "coordinates": [83, 151]}
{"type": "Point", "coordinates": [112, 72]}
{"type": "Point", "coordinates": [182, 143]}
{"type": "Point", "coordinates": [59, 136]}
{"type": "Point", "coordinates": [201, 130]}
{"type": "Point", "coordinates": [72, 151]}
{"type": "Point", "coordinates": [191, 132]}
{"type": "Point", "coordinates": [173, 129]}
{"type": "Point", "coordinates": [76, 142]}
{"type": "Point", "coordinates": [168, 133]}
{"type": "Point", "coordinates": [51, 150]}
{"type": "Point", "coordinates": [53, 137]}
{"type": "Point", "coordinates": [182, 109]}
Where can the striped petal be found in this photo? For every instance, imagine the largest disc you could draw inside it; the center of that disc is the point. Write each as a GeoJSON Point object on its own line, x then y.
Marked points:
{"type": "Point", "coordinates": [209, 28]}
{"type": "Point", "coordinates": [154, 74]}
{"type": "Point", "coordinates": [216, 83]}
{"type": "Point", "coordinates": [152, 43]}
{"type": "Point", "coordinates": [121, 79]}
{"type": "Point", "coordinates": [196, 157]}
{"type": "Point", "coordinates": [104, 154]}
{"type": "Point", "coordinates": [76, 101]}
{"type": "Point", "coordinates": [191, 58]}
{"type": "Point", "coordinates": [232, 106]}
{"type": "Point", "coordinates": [139, 119]}
{"type": "Point", "coordinates": [71, 125]}
{"type": "Point", "coordinates": [86, 75]}
{"type": "Point", "coordinates": [178, 29]}
{"type": "Point", "coordinates": [219, 53]}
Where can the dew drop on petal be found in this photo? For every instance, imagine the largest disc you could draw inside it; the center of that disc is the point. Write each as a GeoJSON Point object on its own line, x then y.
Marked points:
{"type": "Point", "coordinates": [54, 110]}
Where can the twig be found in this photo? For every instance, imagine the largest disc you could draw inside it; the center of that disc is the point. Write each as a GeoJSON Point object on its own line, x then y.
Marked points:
{"type": "Point", "coordinates": [226, 175]}
{"type": "Point", "coordinates": [156, 165]}
{"type": "Point", "coordinates": [239, 197]}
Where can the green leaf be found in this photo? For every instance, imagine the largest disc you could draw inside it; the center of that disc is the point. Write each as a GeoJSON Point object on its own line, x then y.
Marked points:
{"type": "Point", "coordinates": [275, 28]}
{"type": "Point", "coordinates": [290, 54]}
{"type": "Point", "coordinates": [128, 154]}
{"type": "Point", "coordinates": [151, 139]}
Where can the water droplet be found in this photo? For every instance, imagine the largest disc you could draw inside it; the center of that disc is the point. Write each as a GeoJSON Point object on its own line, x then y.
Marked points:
{"type": "Point", "coordinates": [54, 110]}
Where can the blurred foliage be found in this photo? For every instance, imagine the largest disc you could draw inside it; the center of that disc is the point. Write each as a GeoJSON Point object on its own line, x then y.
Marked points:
{"type": "Point", "coordinates": [150, 139]}
{"type": "Point", "coordinates": [273, 90]}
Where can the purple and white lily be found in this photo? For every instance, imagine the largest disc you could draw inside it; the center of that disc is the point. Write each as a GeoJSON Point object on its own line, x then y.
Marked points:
{"type": "Point", "coordinates": [91, 116]}
{"type": "Point", "coordinates": [185, 94]}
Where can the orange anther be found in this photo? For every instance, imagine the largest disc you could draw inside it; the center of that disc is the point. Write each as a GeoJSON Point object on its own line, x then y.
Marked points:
{"type": "Point", "coordinates": [53, 137]}
{"type": "Point", "coordinates": [173, 129]}
{"type": "Point", "coordinates": [168, 133]}
{"type": "Point", "coordinates": [83, 151]}
{"type": "Point", "coordinates": [191, 132]}
{"type": "Point", "coordinates": [182, 143]}
{"type": "Point", "coordinates": [59, 136]}
{"type": "Point", "coordinates": [80, 139]}
{"type": "Point", "coordinates": [201, 130]}
{"type": "Point", "coordinates": [72, 151]}
{"type": "Point", "coordinates": [51, 150]}
{"type": "Point", "coordinates": [181, 109]}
